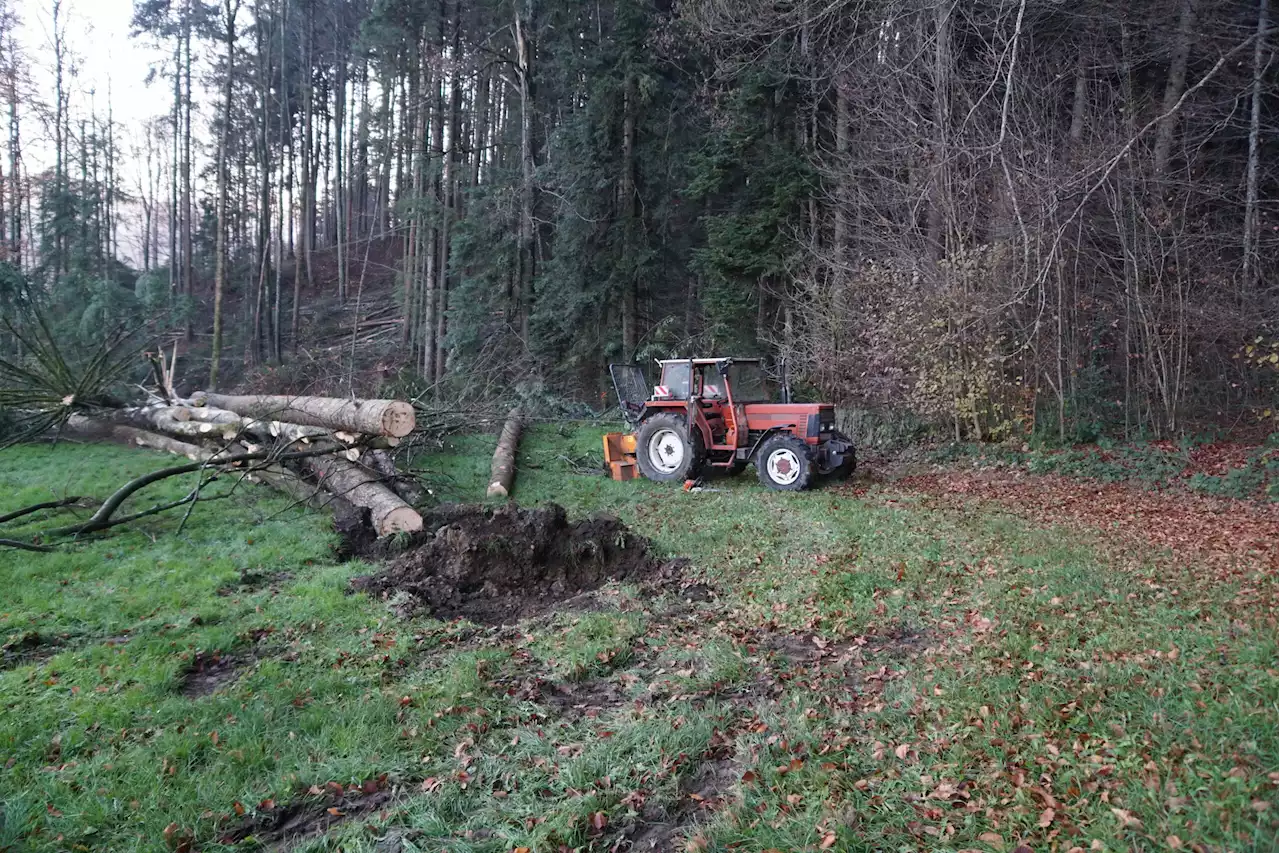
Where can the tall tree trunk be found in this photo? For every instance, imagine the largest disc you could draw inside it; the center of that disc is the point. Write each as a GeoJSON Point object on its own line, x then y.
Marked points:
{"type": "Point", "coordinates": [431, 252]}
{"type": "Point", "coordinates": [448, 194]}
{"type": "Point", "coordinates": [188, 267]}
{"type": "Point", "coordinates": [15, 163]}
{"type": "Point", "coordinates": [936, 238]}
{"type": "Point", "coordinates": [175, 266]}
{"type": "Point", "coordinates": [1251, 172]}
{"type": "Point", "coordinates": [230, 8]}
{"type": "Point", "coordinates": [307, 213]}
{"type": "Point", "coordinates": [1174, 85]}
{"type": "Point", "coordinates": [524, 26]}
{"type": "Point", "coordinates": [339, 187]}
{"type": "Point", "coordinates": [627, 214]}
{"type": "Point", "coordinates": [480, 127]}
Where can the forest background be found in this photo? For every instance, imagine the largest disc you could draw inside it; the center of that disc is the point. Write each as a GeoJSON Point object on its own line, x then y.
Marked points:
{"type": "Point", "coordinates": [988, 219]}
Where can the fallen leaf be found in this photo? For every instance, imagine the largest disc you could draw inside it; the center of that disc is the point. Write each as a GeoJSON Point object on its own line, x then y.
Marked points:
{"type": "Point", "coordinates": [696, 844]}
{"type": "Point", "coordinates": [901, 750]}
{"type": "Point", "coordinates": [1126, 818]}
{"type": "Point", "coordinates": [335, 811]}
{"type": "Point", "coordinates": [599, 821]}
{"type": "Point", "coordinates": [828, 841]}
{"type": "Point", "coordinates": [1046, 817]}
{"type": "Point", "coordinates": [238, 808]}
{"type": "Point", "coordinates": [1174, 841]}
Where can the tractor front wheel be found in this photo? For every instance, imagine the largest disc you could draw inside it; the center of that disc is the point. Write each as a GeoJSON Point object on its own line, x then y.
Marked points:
{"type": "Point", "coordinates": [783, 463]}
{"type": "Point", "coordinates": [667, 450]}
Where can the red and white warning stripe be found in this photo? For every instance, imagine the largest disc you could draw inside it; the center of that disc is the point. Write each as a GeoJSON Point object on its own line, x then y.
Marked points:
{"type": "Point", "coordinates": [661, 391]}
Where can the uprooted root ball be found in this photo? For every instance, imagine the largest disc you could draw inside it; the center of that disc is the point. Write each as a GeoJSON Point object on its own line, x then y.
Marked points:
{"type": "Point", "coordinates": [504, 564]}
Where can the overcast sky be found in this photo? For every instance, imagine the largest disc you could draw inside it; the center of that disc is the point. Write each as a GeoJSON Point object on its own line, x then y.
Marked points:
{"type": "Point", "coordinates": [110, 69]}
{"type": "Point", "coordinates": [106, 58]}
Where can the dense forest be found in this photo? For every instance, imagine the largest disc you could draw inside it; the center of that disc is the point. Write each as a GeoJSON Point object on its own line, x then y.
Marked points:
{"type": "Point", "coordinates": [991, 216]}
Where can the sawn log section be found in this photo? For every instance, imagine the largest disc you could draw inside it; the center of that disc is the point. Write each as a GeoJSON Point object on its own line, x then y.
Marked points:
{"type": "Point", "coordinates": [393, 418]}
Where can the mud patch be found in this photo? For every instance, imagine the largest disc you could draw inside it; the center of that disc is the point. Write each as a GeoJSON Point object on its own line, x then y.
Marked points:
{"type": "Point", "coordinates": [287, 826]}
{"type": "Point", "coordinates": [897, 641]}
{"type": "Point", "coordinates": [575, 700]}
{"type": "Point", "coordinates": [700, 794]}
{"type": "Point", "coordinates": [30, 647]}
{"type": "Point", "coordinates": [806, 649]}
{"type": "Point", "coordinates": [209, 672]}
{"type": "Point", "coordinates": [498, 566]}
{"type": "Point", "coordinates": [252, 581]}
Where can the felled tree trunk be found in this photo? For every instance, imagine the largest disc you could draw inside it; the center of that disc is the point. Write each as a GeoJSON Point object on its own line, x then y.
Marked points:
{"type": "Point", "coordinates": [405, 487]}
{"type": "Point", "coordinates": [91, 429]}
{"type": "Point", "coordinates": [503, 472]}
{"type": "Point", "coordinates": [178, 421]}
{"type": "Point", "coordinates": [371, 417]}
{"type": "Point", "coordinates": [274, 476]}
{"type": "Point", "coordinates": [285, 481]}
{"type": "Point", "coordinates": [388, 513]}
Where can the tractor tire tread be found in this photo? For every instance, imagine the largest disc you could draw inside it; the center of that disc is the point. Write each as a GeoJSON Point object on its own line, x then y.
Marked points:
{"type": "Point", "coordinates": [801, 451]}
{"type": "Point", "coordinates": [694, 456]}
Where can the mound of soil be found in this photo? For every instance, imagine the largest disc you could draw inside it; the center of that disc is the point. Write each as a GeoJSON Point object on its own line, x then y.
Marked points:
{"type": "Point", "coordinates": [496, 566]}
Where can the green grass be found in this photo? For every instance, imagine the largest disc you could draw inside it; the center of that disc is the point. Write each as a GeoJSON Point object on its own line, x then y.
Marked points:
{"type": "Point", "coordinates": [977, 671]}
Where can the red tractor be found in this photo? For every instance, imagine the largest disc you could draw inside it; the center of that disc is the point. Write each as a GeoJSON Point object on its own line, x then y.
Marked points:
{"type": "Point", "coordinates": [719, 412]}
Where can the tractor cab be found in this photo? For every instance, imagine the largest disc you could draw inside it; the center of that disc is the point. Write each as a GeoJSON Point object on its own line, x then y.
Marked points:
{"type": "Point", "coordinates": [722, 412]}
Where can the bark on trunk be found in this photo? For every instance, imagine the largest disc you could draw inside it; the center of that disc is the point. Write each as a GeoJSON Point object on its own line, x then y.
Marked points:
{"type": "Point", "coordinates": [371, 417]}
{"type": "Point", "coordinates": [1174, 87]}
{"type": "Point", "coordinates": [503, 472]}
{"type": "Point", "coordinates": [388, 513]}
{"type": "Point", "coordinates": [404, 486]}
{"type": "Point", "coordinates": [286, 482]}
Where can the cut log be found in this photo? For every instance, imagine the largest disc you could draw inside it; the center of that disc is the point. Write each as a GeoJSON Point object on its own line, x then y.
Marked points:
{"type": "Point", "coordinates": [178, 421]}
{"type": "Point", "coordinates": [388, 513]}
{"type": "Point", "coordinates": [373, 417]}
{"type": "Point", "coordinates": [207, 414]}
{"type": "Point", "coordinates": [285, 481]}
{"type": "Point", "coordinates": [404, 486]}
{"type": "Point", "coordinates": [274, 476]}
{"type": "Point", "coordinates": [92, 429]}
{"type": "Point", "coordinates": [299, 433]}
{"type": "Point", "coordinates": [503, 472]}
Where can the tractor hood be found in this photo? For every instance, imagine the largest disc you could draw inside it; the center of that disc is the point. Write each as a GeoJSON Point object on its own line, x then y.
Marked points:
{"type": "Point", "coordinates": [809, 419]}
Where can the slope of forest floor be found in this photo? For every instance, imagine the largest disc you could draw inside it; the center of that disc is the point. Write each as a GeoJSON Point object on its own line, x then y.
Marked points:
{"type": "Point", "coordinates": [898, 665]}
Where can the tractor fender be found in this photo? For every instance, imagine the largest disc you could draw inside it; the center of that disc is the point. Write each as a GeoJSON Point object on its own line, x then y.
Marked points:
{"type": "Point", "coordinates": [751, 454]}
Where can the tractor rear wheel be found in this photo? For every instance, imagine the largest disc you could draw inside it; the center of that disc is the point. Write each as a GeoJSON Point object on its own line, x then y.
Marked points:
{"type": "Point", "coordinates": [783, 463]}
{"type": "Point", "coordinates": [667, 450]}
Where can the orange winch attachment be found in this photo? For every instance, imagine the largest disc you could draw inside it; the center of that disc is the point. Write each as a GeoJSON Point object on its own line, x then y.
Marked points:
{"type": "Point", "coordinates": [620, 455]}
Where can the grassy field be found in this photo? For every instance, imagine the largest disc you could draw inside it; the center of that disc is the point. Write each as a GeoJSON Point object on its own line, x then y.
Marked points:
{"type": "Point", "coordinates": [852, 670]}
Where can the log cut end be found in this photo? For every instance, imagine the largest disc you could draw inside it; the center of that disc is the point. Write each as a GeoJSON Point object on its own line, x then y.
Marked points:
{"type": "Point", "coordinates": [496, 490]}
{"type": "Point", "coordinates": [399, 520]}
{"type": "Point", "coordinates": [398, 419]}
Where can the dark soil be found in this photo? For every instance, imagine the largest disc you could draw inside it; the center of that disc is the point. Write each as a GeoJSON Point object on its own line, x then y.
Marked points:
{"type": "Point", "coordinates": [286, 826]}
{"type": "Point", "coordinates": [252, 581]}
{"type": "Point", "coordinates": [209, 672]}
{"type": "Point", "coordinates": [31, 646]}
{"type": "Point", "coordinates": [701, 793]}
{"type": "Point", "coordinates": [497, 566]}
{"type": "Point", "coordinates": [577, 699]}
{"type": "Point", "coordinates": [805, 649]}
